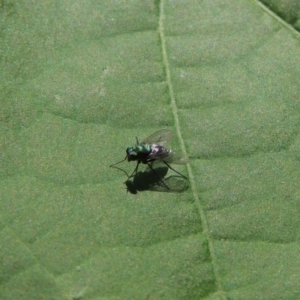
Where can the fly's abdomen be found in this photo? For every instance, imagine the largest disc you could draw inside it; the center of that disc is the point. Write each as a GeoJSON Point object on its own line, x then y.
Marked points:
{"type": "Point", "coordinates": [158, 152]}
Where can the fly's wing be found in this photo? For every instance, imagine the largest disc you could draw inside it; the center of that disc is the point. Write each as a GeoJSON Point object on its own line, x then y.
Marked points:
{"type": "Point", "coordinates": [170, 157]}
{"type": "Point", "coordinates": [160, 137]}
{"type": "Point", "coordinates": [175, 157]}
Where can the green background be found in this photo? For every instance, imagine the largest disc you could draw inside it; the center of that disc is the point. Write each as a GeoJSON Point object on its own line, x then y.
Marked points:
{"type": "Point", "coordinates": [80, 80]}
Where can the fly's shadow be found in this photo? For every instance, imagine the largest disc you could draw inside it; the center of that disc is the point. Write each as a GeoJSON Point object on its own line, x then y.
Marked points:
{"type": "Point", "coordinates": [149, 181]}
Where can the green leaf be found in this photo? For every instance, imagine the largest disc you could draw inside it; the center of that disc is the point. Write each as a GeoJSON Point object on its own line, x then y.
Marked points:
{"type": "Point", "coordinates": [80, 80]}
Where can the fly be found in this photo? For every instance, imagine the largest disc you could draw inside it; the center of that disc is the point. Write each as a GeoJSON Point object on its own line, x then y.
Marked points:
{"type": "Point", "coordinates": [151, 150]}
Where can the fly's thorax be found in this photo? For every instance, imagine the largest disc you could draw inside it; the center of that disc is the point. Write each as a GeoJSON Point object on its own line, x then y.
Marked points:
{"type": "Point", "coordinates": [138, 152]}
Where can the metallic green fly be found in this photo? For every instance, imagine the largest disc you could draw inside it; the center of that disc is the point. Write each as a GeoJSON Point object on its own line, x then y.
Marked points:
{"type": "Point", "coordinates": [153, 149]}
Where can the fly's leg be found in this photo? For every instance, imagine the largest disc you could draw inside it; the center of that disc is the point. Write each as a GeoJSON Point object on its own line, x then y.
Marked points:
{"type": "Point", "coordinates": [149, 164]}
{"type": "Point", "coordinates": [120, 170]}
{"type": "Point", "coordinates": [174, 170]}
{"type": "Point", "coordinates": [135, 170]}
{"type": "Point", "coordinates": [113, 165]}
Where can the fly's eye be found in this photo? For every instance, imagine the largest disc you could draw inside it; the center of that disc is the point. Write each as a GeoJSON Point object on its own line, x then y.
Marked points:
{"type": "Point", "coordinates": [130, 151]}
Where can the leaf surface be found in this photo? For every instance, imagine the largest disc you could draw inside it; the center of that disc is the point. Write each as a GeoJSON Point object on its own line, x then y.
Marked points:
{"type": "Point", "coordinates": [80, 80]}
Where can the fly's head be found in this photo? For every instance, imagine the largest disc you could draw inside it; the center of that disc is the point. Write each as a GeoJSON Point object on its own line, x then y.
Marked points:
{"type": "Point", "coordinates": [131, 153]}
